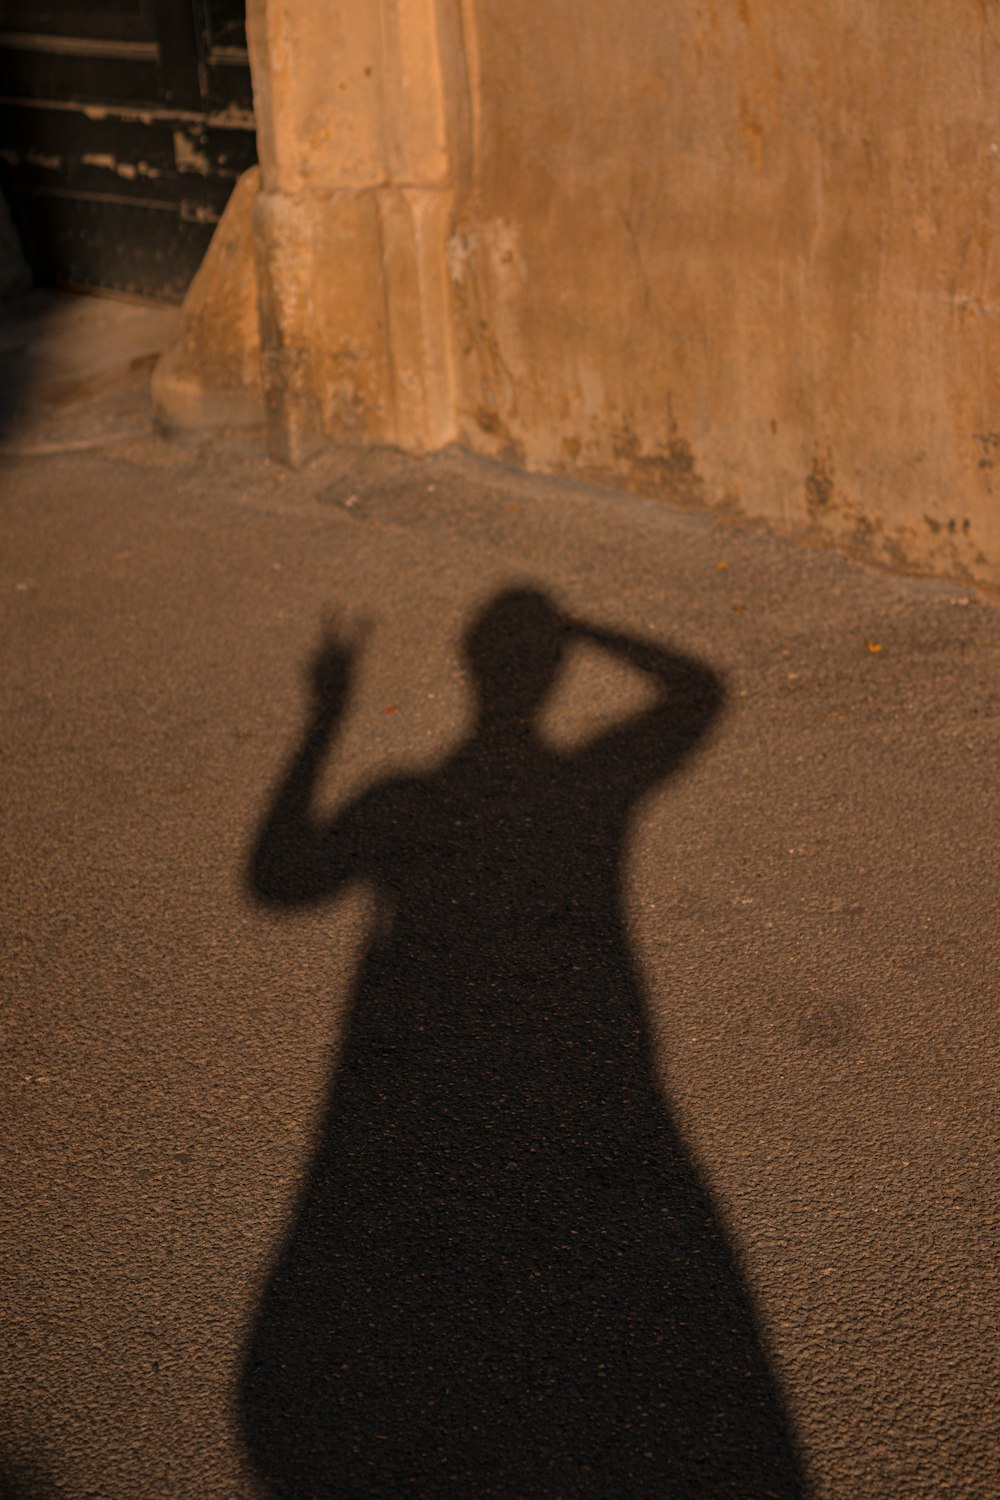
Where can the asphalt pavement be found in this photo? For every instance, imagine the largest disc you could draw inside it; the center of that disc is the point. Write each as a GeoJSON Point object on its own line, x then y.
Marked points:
{"type": "Point", "coordinates": [500, 988]}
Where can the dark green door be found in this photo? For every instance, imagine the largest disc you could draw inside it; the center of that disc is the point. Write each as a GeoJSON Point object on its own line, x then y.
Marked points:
{"type": "Point", "coordinates": [123, 126]}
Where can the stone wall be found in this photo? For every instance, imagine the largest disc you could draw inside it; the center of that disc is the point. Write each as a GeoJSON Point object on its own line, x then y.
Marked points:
{"type": "Point", "coordinates": [730, 252]}
{"type": "Point", "coordinates": [357, 109]}
{"type": "Point", "coordinates": [743, 253]}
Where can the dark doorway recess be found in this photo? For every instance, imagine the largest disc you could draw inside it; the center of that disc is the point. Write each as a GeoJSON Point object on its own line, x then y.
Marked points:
{"type": "Point", "coordinates": [124, 125]}
{"type": "Point", "coordinates": [505, 1275]}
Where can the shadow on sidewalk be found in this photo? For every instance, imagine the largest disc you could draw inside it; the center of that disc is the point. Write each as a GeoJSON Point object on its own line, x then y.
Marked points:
{"type": "Point", "coordinates": [75, 370]}
{"type": "Point", "coordinates": [504, 1275]}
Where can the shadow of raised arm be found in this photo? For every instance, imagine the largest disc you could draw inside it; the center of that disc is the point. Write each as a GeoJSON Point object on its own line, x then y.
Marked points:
{"type": "Point", "coordinates": [298, 857]}
{"type": "Point", "coordinates": [655, 741]}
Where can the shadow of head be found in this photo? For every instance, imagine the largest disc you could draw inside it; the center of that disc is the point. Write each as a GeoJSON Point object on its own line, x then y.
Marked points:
{"type": "Point", "coordinates": [515, 650]}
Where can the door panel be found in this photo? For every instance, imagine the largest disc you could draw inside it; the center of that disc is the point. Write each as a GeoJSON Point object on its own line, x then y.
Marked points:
{"type": "Point", "coordinates": [124, 125]}
{"type": "Point", "coordinates": [112, 20]}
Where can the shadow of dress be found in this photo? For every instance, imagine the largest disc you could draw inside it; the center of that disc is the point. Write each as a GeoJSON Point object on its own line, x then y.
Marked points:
{"type": "Point", "coordinates": [504, 1275]}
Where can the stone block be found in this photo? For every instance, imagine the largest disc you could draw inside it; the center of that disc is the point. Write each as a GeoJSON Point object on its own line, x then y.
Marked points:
{"type": "Point", "coordinates": [209, 375]}
{"type": "Point", "coordinates": [325, 358]}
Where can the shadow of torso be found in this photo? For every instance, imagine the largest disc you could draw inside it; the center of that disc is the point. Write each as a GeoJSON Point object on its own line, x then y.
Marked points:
{"type": "Point", "coordinates": [504, 1275]}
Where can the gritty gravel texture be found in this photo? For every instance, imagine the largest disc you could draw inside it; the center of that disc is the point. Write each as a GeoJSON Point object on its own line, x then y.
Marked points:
{"type": "Point", "coordinates": [812, 905]}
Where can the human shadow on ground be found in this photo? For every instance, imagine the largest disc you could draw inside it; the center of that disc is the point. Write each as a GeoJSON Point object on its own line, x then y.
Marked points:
{"type": "Point", "coordinates": [504, 1275]}
{"type": "Point", "coordinates": [20, 1480]}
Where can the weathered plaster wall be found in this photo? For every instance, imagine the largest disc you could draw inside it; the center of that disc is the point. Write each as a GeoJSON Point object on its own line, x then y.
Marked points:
{"type": "Point", "coordinates": [741, 252]}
